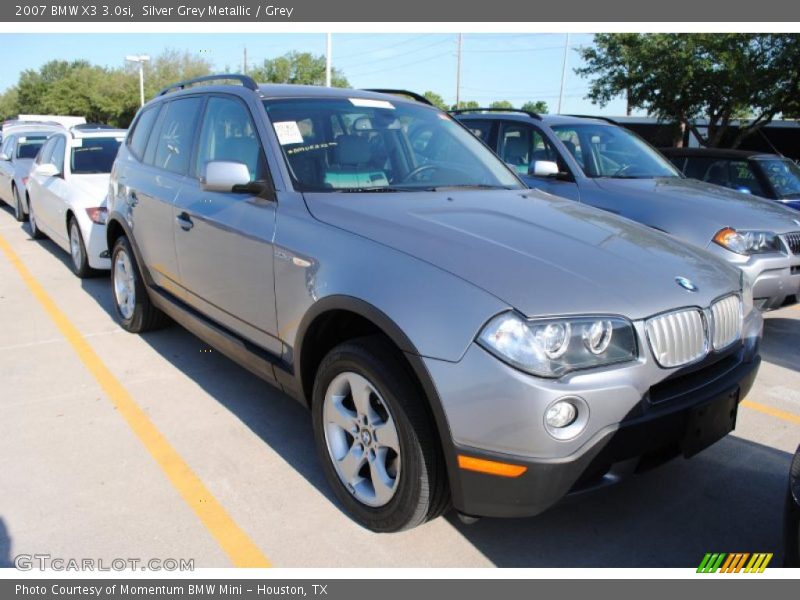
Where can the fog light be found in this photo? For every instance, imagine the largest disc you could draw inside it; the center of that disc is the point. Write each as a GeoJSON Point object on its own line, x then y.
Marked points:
{"type": "Point", "coordinates": [562, 414]}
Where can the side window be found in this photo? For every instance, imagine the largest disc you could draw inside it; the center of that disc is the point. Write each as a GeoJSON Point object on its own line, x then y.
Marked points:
{"type": "Point", "coordinates": [696, 167]}
{"type": "Point", "coordinates": [175, 138]}
{"type": "Point", "coordinates": [570, 139]}
{"type": "Point", "coordinates": [718, 173]}
{"type": "Point", "coordinates": [137, 140]}
{"type": "Point", "coordinates": [521, 145]}
{"type": "Point", "coordinates": [59, 147]}
{"type": "Point", "coordinates": [229, 134]}
{"type": "Point", "coordinates": [8, 145]}
{"type": "Point", "coordinates": [480, 129]}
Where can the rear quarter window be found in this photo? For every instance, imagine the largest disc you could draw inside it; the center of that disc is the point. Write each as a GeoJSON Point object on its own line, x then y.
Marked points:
{"type": "Point", "coordinates": [137, 140]}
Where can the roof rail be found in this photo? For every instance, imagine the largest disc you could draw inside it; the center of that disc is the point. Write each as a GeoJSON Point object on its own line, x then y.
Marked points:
{"type": "Point", "coordinates": [408, 94]}
{"type": "Point", "coordinates": [606, 119]}
{"type": "Point", "coordinates": [246, 81]}
{"type": "Point", "coordinates": [531, 114]}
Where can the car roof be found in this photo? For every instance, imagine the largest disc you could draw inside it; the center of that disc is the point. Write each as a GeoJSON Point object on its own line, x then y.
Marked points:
{"type": "Point", "coordinates": [289, 90]}
{"type": "Point", "coordinates": [31, 127]}
{"type": "Point", "coordinates": [519, 116]}
{"type": "Point", "coordinates": [101, 132]}
{"type": "Point", "coordinates": [720, 153]}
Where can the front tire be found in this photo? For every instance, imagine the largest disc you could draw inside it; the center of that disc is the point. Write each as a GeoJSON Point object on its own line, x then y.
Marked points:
{"type": "Point", "coordinates": [36, 233]}
{"type": "Point", "coordinates": [376, 439]}
{"type": "Point", "coordinates": [19, 212]}
{"type": "Point", "coordinates": [136, 312]}
{"type": "Point", "coordinates": [77, 250]}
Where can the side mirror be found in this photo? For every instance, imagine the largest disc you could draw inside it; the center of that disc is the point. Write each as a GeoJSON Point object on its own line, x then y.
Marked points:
{"type": "Point", "coordinates": [744, 190]}
{"type": "Point", "coordinates": [47, 170]}
{"type": "Point", "coordinates": [4, 157]}
{"type": "Point", "coordinates": [224, 176]}
{"type": "Point", "coordinates": [544, 168]}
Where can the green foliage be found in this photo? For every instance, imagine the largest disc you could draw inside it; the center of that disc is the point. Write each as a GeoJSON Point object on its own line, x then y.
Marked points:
{"type": "Point", "coordinates": [538, 106]}
{"type": "Point", "coordinates": [501, 104]}
{"type": "Point", "coordinates": [466, 104]}
{"type": "Point", "coordinates": [296, 67]}
{"type": "Point", "coordinates": [682, 77]}
{"type": "Point", "coordinates": [436, 100]}
{"type": "Point", "coordinates": [100, 94]}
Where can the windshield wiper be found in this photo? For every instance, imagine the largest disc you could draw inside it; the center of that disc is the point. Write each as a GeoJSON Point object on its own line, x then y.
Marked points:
{"type": "Point", "coordinates": [364, 190]}
{"type": "Point", "coordinates": [468, 186]}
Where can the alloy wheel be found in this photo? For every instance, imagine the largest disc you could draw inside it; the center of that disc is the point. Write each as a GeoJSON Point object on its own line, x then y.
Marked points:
{"type": "Point", "coordinates": [124, 284]}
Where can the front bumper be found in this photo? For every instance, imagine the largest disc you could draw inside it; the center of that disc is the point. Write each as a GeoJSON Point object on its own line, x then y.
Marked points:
{"type": "Point", "coordinates": [638, 416]}
{"type": "Point", "coordinates": [775, 277]}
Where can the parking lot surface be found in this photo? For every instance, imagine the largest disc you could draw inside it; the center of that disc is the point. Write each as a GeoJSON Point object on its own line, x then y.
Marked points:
{"type": "Point", "coordinates": [155, 446]}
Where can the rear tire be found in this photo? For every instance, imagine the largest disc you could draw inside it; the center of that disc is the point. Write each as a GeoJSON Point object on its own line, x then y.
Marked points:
{"type": "Point", "coordinates": [80, 259]}
{"type": "Point", "coordinates": [389, 478]}
{"type": "Point", "coordinates": [36, 233]}
{"type": "Point", "coordinates": [136, 312]}
{"type": "Point", "coordinates": [19, 213]}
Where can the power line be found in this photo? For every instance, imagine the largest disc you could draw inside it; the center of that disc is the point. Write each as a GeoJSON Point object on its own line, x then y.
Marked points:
{"type": "Point", "coordinates": [394, 56]}
{"type": "Point", "coordinates": [403, 66]}
{"type": "Point", "coordinates": [379, 48]}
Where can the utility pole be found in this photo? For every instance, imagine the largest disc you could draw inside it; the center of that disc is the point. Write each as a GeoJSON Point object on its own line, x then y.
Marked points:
{"type": "Point", "coordinates": [563, 75]}
{"type": "Point", "coordinates": [328, 60]}
{"type": "Point", "coordinates": [458, 71]}
{"type": "Point", "coordinates": [244, 64]}
{"type": "Point", "coordinates": [140, 59]}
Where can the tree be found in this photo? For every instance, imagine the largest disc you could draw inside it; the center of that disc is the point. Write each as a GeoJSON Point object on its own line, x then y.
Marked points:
{"type": "Point", "coordinates": [296, 67]}
{"type": "Point", "coordinates": [469, 104]}
{"type": "Point", "coordinates": [9, 103]}
{"type": "Point", "coordinates": [538, 106]}
{"type": "Point", "coordinates": [501, 104]}
{"type": "Point", "coordinates": [683, 77]}
{"type": "Point", "coordinates": [436, 100]}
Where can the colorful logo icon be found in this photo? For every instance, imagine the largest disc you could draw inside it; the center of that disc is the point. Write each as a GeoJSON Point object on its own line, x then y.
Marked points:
{"type": "Point", "coordinates": [737, 562]}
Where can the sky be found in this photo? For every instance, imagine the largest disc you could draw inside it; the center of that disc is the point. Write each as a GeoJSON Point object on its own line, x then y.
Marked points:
{"type": "Point", "coordinates": [514, 67]}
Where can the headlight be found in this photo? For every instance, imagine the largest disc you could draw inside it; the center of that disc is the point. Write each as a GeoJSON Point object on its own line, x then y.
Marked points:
{"type": "Point", "coordinates": [553, 347]}
{"type": "Point", "coordinates": [748, 242]}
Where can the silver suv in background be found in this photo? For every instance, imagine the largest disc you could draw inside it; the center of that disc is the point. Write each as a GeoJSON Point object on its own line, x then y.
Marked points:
{"type": "Point", "coordinates": [458, 338]}
{"type": "Point", "coordinates": [596, 162]}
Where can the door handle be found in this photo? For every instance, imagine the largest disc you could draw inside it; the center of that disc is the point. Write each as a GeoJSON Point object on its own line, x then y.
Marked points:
{"type": "Point", "coordinates": [185, 221]}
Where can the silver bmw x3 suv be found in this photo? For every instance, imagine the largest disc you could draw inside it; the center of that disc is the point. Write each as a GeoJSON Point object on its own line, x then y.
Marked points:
{"type": "Point", "coordinates": [460, 340]}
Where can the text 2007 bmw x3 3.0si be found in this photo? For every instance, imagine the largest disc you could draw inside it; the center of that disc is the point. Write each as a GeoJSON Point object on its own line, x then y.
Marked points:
{"type": "Point", "coordinates": [459, 339]}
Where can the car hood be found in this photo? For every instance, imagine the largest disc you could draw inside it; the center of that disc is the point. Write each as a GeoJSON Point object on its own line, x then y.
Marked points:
{"type": "Point", "coordinates": [538, 253]}
{"type": "Point", "coordinates": [91, 189]}
{"type": "Point", "coordinates": [701, 206]}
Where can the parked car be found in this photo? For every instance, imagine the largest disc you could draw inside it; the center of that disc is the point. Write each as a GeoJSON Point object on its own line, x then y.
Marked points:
{"type": "Point", "coordinates": [791, 520]}
{"type": "Point", "coordinates": [601, 164]}
{"type": "Point", "coordinates": [454, 334]}
{"type": "Point", "coordinates": [66, 193]}
{"type": "Point", "coordinates": [21, 144]}
{"type": "Point", "coordinates": [766, 175]}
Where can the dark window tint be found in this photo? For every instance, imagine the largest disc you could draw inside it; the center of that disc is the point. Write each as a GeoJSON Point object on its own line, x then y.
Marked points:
{"type": "Point", "coordinates": [29, 145]}
{"type": "Point", "coordinates": [94, 155]}
{"type": "Point", "coordinates": [137, 139]}
{"type": "Point", "coordinates": [229, 134]}
{"type": "Point", "coordinates": [59, 148]}
{"type": "Point", "coordinates": [744, 179]}
{"type": "Point", "coordinates": [480, 129]}
{"type": "Point", "coordinates": [174, 144]}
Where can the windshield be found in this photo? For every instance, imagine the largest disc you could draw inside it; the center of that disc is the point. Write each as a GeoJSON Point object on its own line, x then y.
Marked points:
{"type": "Point", "coordinates": [609, 151]}
{"type": "Point", "coordinates": [28, 146]}
{"type": "Point", "coordinates": [94, 155]}
{"type": "Point", "coordinates": [360, 145]}
{"type": "Point", "coordinates": [784, 175]}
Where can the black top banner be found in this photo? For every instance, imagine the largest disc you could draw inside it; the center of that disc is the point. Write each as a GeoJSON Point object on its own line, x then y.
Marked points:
{"type": "Point", "coordinates": [197, 11]}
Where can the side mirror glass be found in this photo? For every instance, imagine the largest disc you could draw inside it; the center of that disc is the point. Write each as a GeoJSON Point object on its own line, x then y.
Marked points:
{"type": "Point", "coordinates": [744, 190]}
{"type": "Point", "coordinates": [47, 170]}
{"type": "Point", "coordinates": [224, 176]}
{"type": "Point", "coordinates": [544, 168]}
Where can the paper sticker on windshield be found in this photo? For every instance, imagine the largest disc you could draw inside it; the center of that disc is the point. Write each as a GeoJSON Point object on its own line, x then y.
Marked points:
{"type": "Point", "coordinates": [288, 133]}
{"type": "Point", "coordinates": [369, 103]}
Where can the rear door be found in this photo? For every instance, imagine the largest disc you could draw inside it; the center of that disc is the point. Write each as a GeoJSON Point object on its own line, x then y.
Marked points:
{"type": "Point", "coordinates": [224, 240]}
{"type": "Point", "coordinates": [161, 147]}
{"type": "Point", "coordinates": [50, 207]}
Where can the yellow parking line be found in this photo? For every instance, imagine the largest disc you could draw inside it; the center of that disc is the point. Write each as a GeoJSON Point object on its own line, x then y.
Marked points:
{"type": "Point", "coordinates": [232, 539]}
{"type": "Point", "coordinates": [772, 412]}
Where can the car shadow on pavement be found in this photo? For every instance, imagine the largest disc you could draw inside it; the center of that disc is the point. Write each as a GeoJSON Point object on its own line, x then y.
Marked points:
{"type": "Point", "coordinates": [729, 498]}
{"type": "Point", "coordinates": [5, 546]}
{"type": "Point", "coordinates": [779, 345]}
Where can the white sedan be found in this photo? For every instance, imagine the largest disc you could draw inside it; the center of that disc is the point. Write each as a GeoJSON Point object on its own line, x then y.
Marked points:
{"type": "Point", "coordinates": [67, 189]}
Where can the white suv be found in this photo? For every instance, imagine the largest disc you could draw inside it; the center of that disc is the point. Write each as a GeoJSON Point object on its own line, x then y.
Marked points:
{"type": "Point", "coordinates": [67, 193]}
